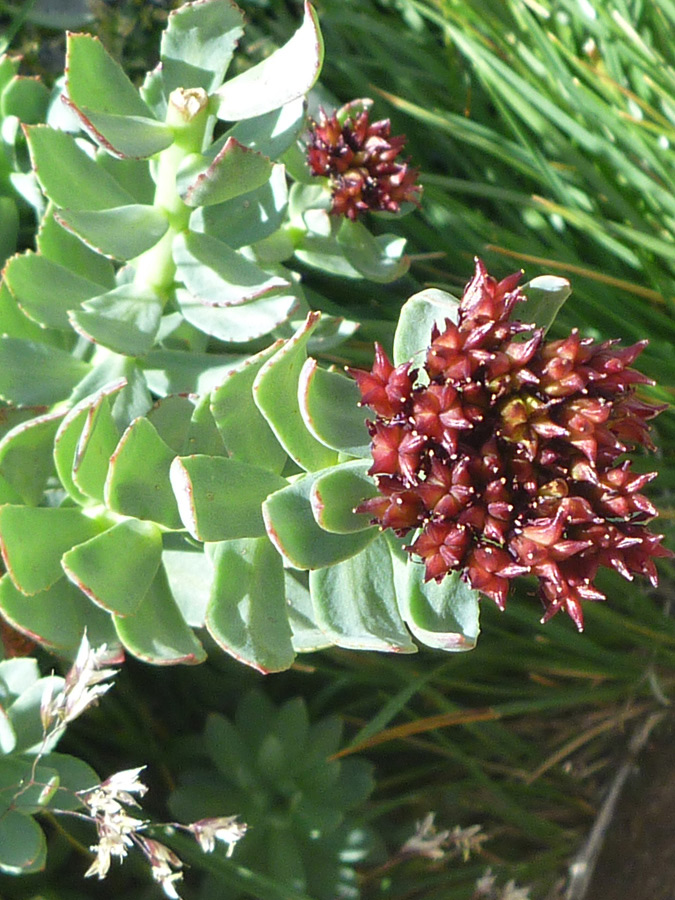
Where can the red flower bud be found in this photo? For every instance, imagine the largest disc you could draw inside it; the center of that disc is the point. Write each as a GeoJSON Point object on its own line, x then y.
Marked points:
{"type": "Point", "coordinates": [359, 158]}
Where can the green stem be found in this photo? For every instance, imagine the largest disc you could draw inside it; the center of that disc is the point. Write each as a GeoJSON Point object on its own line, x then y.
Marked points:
{"type": "Point", "coordinates": [188, 116]}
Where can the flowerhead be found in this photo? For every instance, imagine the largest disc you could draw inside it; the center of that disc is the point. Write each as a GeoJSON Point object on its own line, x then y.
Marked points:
{"type": "Point", "coordinates": [83, 686]}
{"type": "Point", "coordinates": [508, 457]}
{"type": "Point", "coordinates": [361, 159]}
{"type": "Point", "coordinates": [223, 828]}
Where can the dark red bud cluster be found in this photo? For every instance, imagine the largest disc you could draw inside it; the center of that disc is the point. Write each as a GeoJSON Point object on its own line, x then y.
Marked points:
{"type": "Point", "coordinates": [361, 159]}
{"type": "Point", "coordinates": [505, 457]}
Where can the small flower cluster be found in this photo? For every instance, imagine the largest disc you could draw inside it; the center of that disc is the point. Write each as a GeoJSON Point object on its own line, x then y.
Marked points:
{"type": "Point", "coordinates": [83, 686]}
{"type": "Point", "coordinates": [486, 889]}
{"type": "Point", "coordinates": [118, 831]}
{"type": "Point", "coordinates": [427, 841]}
{"type": "Point", "coordinates": [107, 803]}
{"type": "Point", "coordinates": [360, 159]}
{"type": "Point", "coordinates": [506, 454]}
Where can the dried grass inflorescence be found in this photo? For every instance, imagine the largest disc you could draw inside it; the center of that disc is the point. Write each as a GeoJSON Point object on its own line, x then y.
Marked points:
{"type": "Point", "coordinates": [507, 455]}
{"type": "Point", "coordinates": [360, 158]}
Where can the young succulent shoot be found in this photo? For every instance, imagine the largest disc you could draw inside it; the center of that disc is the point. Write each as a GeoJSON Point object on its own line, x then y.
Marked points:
{"type": "Point", "coordinates": [362, 161]}
{"type": "Point", "coordinates": [506, 457]}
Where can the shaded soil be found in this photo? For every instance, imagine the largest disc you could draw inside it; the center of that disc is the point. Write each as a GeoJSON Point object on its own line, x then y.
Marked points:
{"type": "Point", "coordinates": [637, 861]}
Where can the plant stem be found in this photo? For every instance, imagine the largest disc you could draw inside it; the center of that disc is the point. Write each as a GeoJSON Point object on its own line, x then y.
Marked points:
{"type": "Point", "coordinates": [188, 117]}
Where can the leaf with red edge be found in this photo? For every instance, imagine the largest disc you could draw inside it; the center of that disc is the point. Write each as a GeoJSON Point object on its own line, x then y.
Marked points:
{"type": "Point", "coordinates": [56, 617]}
{"type": "Point", "coordinates": [275, 391]}
{"type": "Point", "coordinates": [330, 408]}
{"type": "Point", "coordinates": [33, 540]}
{"type": "Point", "coordinates": [284, 76]}
{"type": "Point", "coordinates": [219, 498]}
{"type": "Point", "coordinates": [157, 632]}
{"type": "Point", "coordinates": [106, 102]}
{"type": "Point", "coordinates": [247, 614]}
{"type": "Point", "coordinates": [355, 602]}
{"type": "Point", "coordinates": [203, 180]}
{"type": "Point", "coordinates": [115, 569]}
{"type": "Point", "coordinates": [26, 456]}
{"type": "Point", "coordinates": [293, 530]}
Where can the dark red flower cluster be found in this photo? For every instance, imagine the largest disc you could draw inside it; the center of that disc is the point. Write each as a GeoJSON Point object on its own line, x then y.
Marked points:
{"type": "Point", "coordinates": [360, 158]}
{"type": "Point", "coordinates": [506, 454]}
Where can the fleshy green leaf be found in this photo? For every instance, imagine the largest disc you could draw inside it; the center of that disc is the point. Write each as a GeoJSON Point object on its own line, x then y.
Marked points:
{"type": "Point", "coordinates": [202, 435]}
{"type": "Point", "coordinates": [324, 253]}
{"type": "Point", "coordinates": [128, 137]}
{"type": "Point", "coordinates": [187, 428]}
{"type": "Point", "coordinates": [275, 391]}
{"type": "Point", "coordinates": [46, 290]}
{"type": "Point", "coordinates": [16, 676]}
{"type": "Point", "coordinates": [355, 602]}
{"type": "Point", "coordinates": [60, 164]}
{"type": "Point", "coordinates": [107, 103]}
{"type": "Point", "coordinates": [545, 297]}
{"type": "Point", "coordinates": [55, 617]}
{"type": "Point", "coordinates": [68, 437]}
{"type": "Point", "coordinates": [177, 372]}
{"type": "Point", "coordinates": [138, 477]}
{"type": "Point", "coordinates": [198, 44]}
{"type": "Point", "coordinates": [14, 323]}
{"type": "Point", "coordinates": [232, 403]}
{"type": "Point", "coordinates": [95, 446]}
{"type": "Point", "coordinates": [293, 530]}
{"type": "Point", "coordinates": [122, 233]}
{"type": "Point", "coordinates": [281, 78]}
{"type": "Point", "coordinates": [131, 174]}
{"type": "Point", "coordinates": [125, 319]}
{"type": "Point", "coordinates": [307, 636]}
{"type": "Point", "coordinates": [7, 740]}
{"type": "Point", "coordinates": [24, 713]}
{"type": "Point", "coordinates": [246, 615]}
{"type": "Point", "coordinates": [217, 276]}
{"type": "Point", "coordinates": [26, 456]}
{"type": "Point", "coordinates": [32, 374]}
{"type": "Point", "coordinates": [330, 408]}
{"type": "Point", "coordinates": [273, 132]}
{"type": "Point", "coordinates": [337, 492]}
{"type": "Point", "coordinates": [157, 632]}
{"type": "Point", "coordinates": [418, 316]}
{"type": "Point", "coordinates": [33, 540]}
{"type": "Point", "coordinates": [60, 246]}
{"type": "Point", "coordinates": [74, 775]}
{"type": "Point", "coordinates": [219, 498]}
{"type": "Point", "coordinates": [238, 324]}
{"type": "Point", "coordinates": [26, 98]}
{"type": "Point", "coordinates": [16, 769]}
{"type": "Point", "coordinates": [23, 847]}
{"type": "Point", "coordinates": [116, 568]}
{"type": "Point", "coordinates": [247, 218]}
{"type": "Point", "coordinates": [215, 178]}
{"type": "Point", "coordinates": [443, 616]}
{"type": "Point", "coordinates": [190, 574]}
{"type": "Point", "coordinates": [379, 258]}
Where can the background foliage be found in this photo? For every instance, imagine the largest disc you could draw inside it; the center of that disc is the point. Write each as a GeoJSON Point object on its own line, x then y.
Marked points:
{"type": "Point", "coordinates": [543, 131]}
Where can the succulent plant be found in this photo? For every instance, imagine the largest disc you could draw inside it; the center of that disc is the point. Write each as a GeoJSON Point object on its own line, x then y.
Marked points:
{"type": "Point", "coordinates": [301, 806]}
{"type": "Point", "coordinates": [159, 277]}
